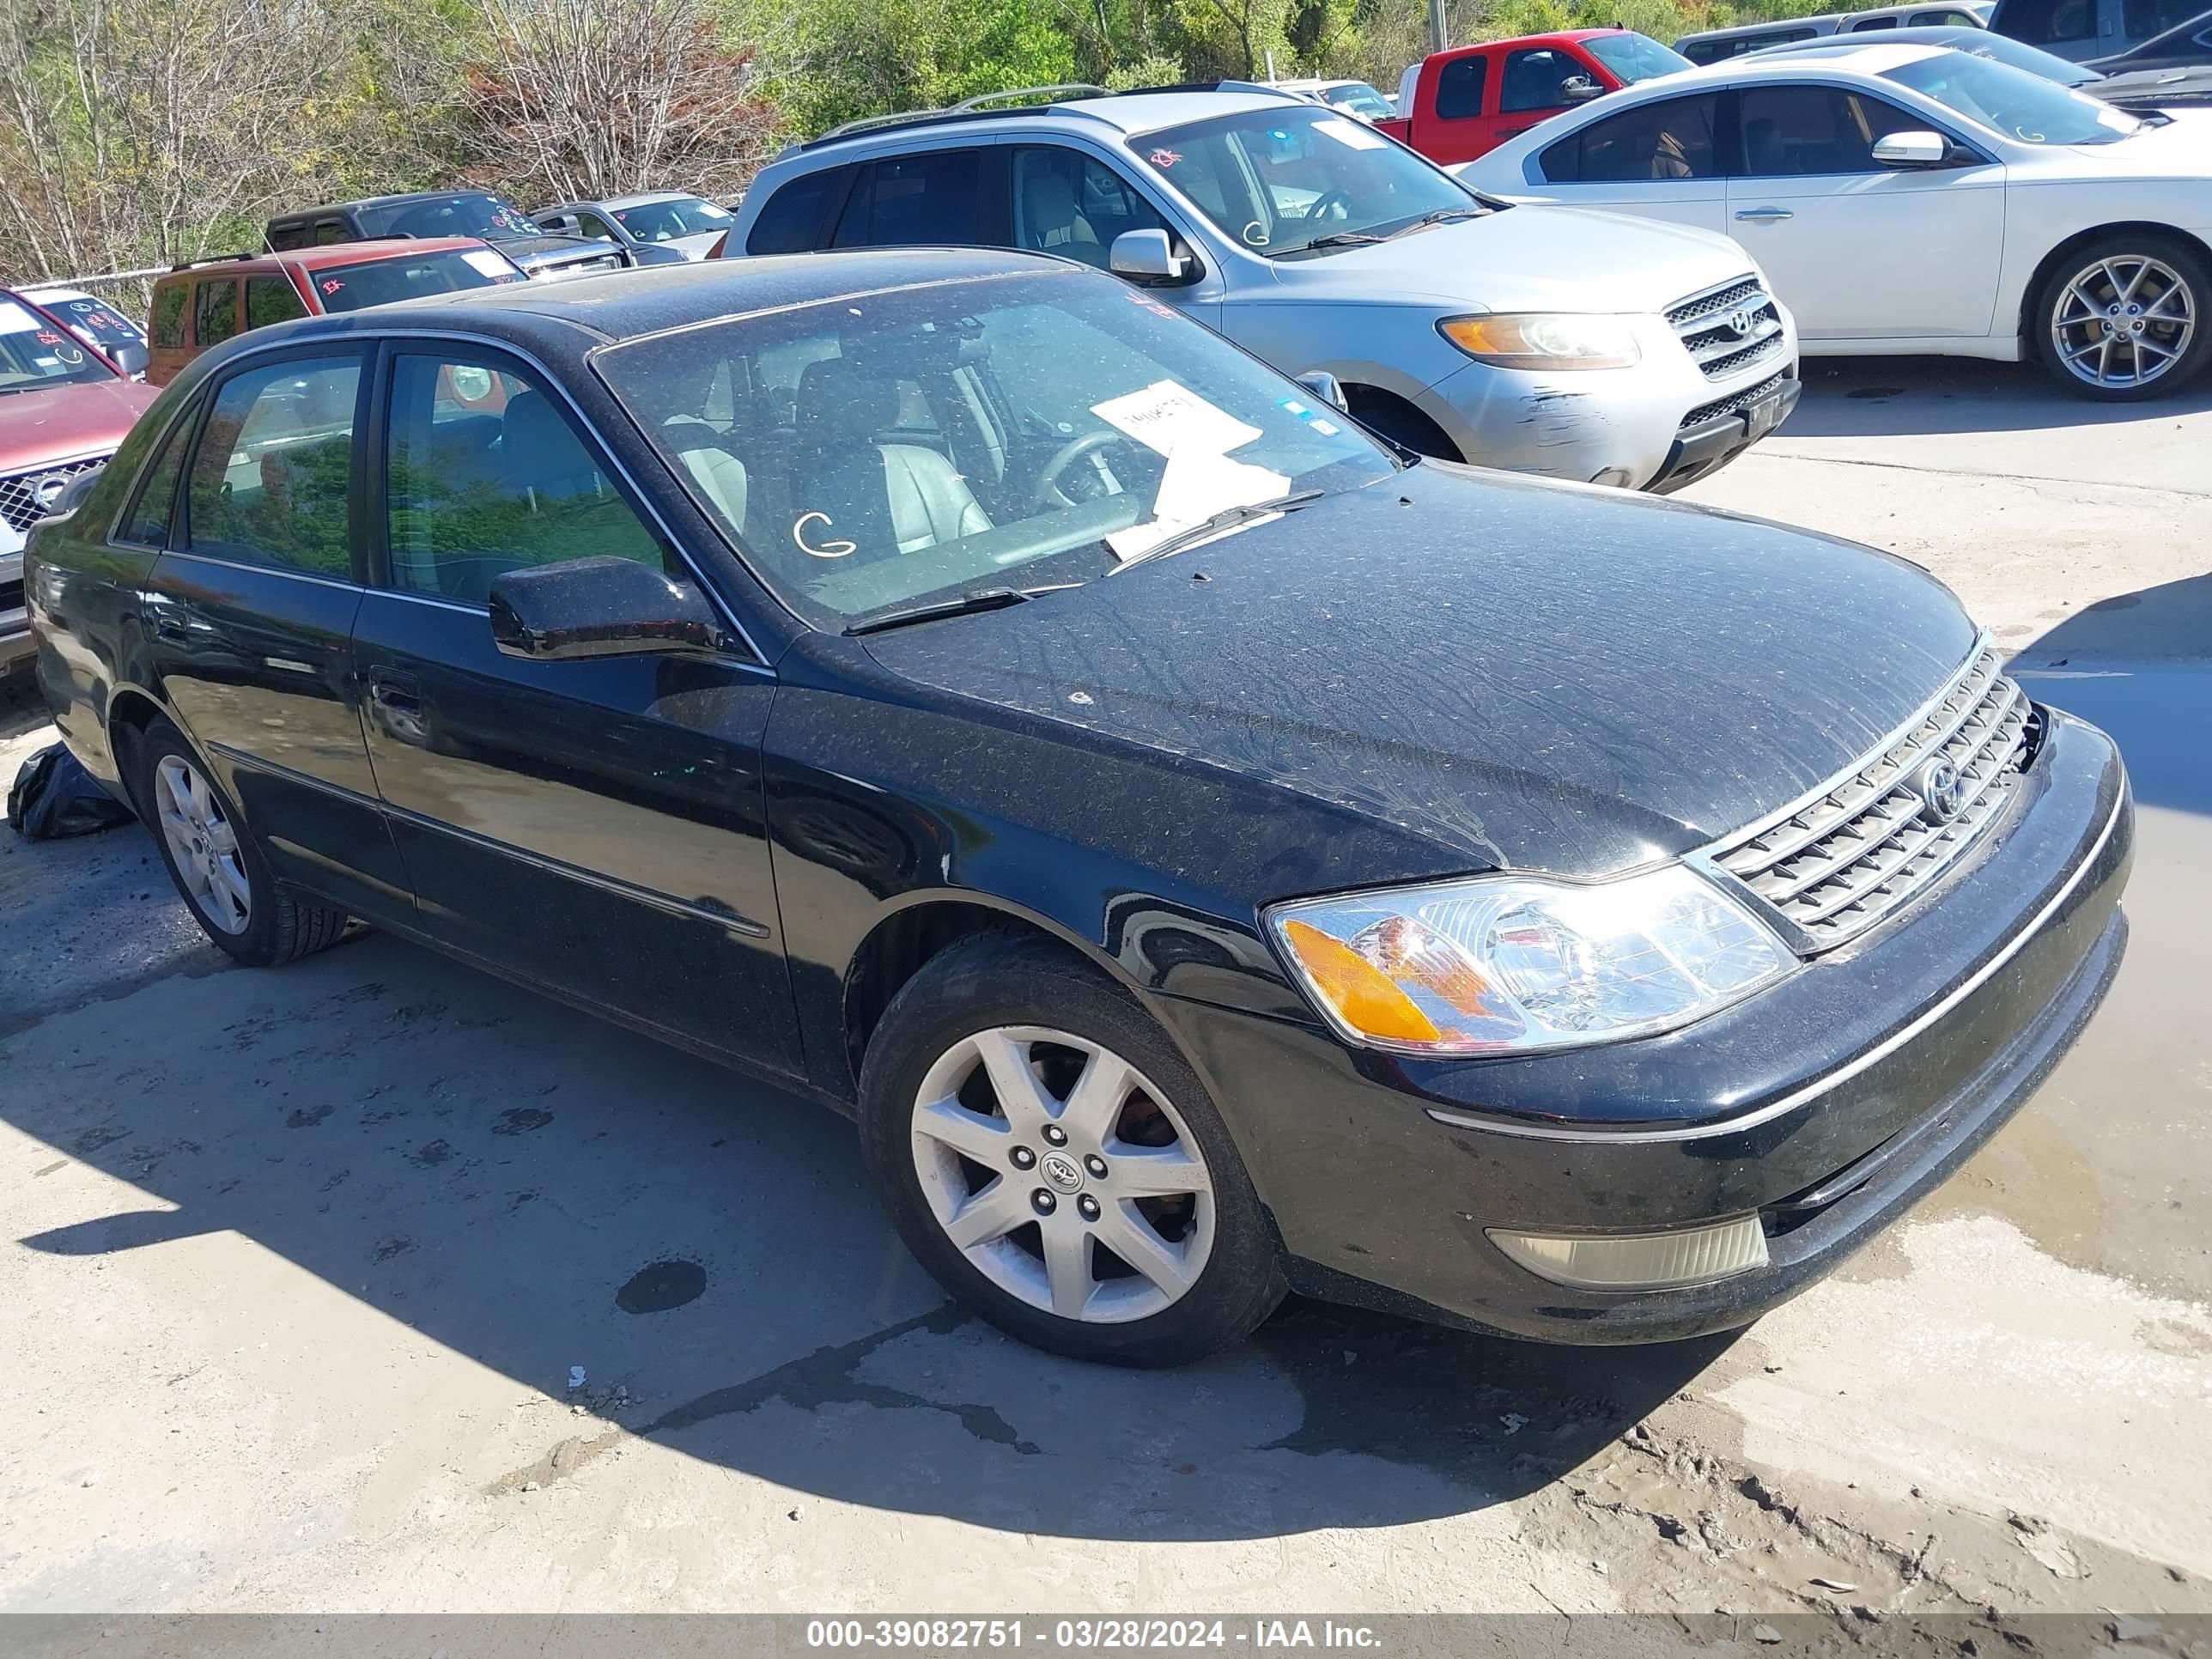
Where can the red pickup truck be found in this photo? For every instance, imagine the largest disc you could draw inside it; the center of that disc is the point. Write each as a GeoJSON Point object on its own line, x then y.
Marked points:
{"type": "Point", "coordinates": [1457, 105]}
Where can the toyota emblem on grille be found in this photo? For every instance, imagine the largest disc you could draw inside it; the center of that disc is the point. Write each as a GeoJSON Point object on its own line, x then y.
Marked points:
{"type": "Point", "coordinates": [1740, 323]}
{"type": "Point", "coordinates": [1942, 792]}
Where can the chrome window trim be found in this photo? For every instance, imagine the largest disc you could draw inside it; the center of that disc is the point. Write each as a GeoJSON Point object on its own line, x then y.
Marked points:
{"type": "Point", "coordinates": [759, 658]}
{"type": "Point", "coordinates": [293, 571]}
{"type": "Point", "coordinates": [1843, 1074]}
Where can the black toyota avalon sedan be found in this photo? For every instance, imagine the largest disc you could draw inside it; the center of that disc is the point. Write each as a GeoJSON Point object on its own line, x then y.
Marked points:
{"type": "Point", "coordinates": [1210, 852]}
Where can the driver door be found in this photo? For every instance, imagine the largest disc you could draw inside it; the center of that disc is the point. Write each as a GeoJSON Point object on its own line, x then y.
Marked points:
{"type": "Point", "coordinates": [1827, 222]}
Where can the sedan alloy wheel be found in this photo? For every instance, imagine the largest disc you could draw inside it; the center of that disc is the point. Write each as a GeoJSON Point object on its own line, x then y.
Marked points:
{"type": "Point", "coordinates": [2124, 321]}
{"type": "Point", "coordinates": [203, 845]}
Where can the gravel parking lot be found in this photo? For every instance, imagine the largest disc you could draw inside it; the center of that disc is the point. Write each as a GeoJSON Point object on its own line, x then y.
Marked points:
{"type": "Point", "coordinates": [295, 1265]}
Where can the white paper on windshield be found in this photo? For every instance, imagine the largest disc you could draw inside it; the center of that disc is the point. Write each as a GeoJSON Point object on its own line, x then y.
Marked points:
{"type": "Point", "coordinates": [1200, 479]}
{"type": "Point", "coordinates": [1352, 134]}
{"type": "Point", "coordinates": [14, 319]}
{"type": "Point", "coordinates": [483, 259]}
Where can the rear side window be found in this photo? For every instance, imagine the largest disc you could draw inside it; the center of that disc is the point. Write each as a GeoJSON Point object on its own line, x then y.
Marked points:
{"type": "Point", "coordinates": [329, 231]}
{"type": "Point", "coordinates": [269, 478]}
{"type": "Point", "coordinates": [1459, 88]}
{"type": "Point", "coordinates": [147, 524]}
{"type": "Point", "coordinates": [294, 233]}
{"type": "Point", "coordinates": [791, 222]}
{"type": "Point", "coordinates": [271, 299]}
{"type": "Point", "coordinates": [1671, 140]}
{"type": "Point", "coordinates": [215, 311]}
{"type": "Point", "coordinates": [925, 198]}
{"type": "Point", "coordinates": [1866, 23]}
{"type": "Point", "coordinates": [167, 324]}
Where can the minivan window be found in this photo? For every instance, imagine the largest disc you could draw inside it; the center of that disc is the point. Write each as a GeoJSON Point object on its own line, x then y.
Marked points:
{"type": "Point", "coordinates": [271, 299]}
{"type": "Point", "coordinates": [166, 325]}
{"type": "Point", "coordinates": [270, 478]}
{"type": "Point", "coordinates": [790, 221]}
{"type": "Point", "coordinates": [215, 311]}
{"type": "Point", "coordinates": [852, 475]}
{"type": "Point", "coordinates": [924, 198]}
{"type": "Point", "coordinates": [2021, 106]}
{"type": "Point", "coordinates": [1670, 139]}
{"type": "Point", "coordinates": [1280, 181]}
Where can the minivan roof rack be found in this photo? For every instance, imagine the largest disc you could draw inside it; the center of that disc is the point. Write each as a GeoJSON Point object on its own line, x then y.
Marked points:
{"type": "Point", "coordinates": [983, 103]}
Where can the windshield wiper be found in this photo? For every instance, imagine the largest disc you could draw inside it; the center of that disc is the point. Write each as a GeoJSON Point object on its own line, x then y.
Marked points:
{"type": "Point", "coordinates": [978, 599]}
{"type": "Point", "coordinates": [1228, 519]}
{"type": "Point", "coordinates": [1339, 239]}
{"type": "Point", "coordinates": [1441, 216]}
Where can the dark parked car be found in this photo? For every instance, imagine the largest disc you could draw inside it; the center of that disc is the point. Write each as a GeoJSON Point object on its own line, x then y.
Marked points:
{"type": "Point", "coordinates": [1206, 849]}
{"type": "Point", "coordinates": [2187, 44]}
{"type": "Point", "coordinates": [447, 213]}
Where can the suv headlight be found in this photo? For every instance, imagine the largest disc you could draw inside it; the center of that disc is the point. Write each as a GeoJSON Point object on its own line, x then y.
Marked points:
{"type": "Point", "coordinates": [1515, 964]}
{"type": "Point", "coordinates": [1545, 340]}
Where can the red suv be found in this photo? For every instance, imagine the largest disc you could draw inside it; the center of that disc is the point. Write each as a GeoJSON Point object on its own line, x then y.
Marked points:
{"type": "Point", "coordinates": [208, 301]}
{"type": "Point", "coordinates": [64, 410]}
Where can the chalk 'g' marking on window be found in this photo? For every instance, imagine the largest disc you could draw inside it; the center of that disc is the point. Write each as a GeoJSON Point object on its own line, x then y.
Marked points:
{"type": "Point", "coordinates": [828, 550]}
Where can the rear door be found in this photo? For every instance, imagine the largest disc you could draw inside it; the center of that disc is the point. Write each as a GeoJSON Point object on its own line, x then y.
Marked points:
{"type": "Point", "coordinates": [596, 826]}
{"type": "Point", "coordinates": [1826, 221]}
{"type": "Point", "coordinates": [1662, 160]}
{"type": "Point", "coordinates": [251, 611]}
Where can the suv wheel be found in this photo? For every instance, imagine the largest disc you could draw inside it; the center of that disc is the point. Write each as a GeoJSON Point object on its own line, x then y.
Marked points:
{"type": "Point", "coordinates": [1046, 1152]}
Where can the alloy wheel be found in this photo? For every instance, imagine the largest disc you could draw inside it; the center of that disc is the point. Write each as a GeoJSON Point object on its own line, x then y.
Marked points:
{"type": "Point", "coordinates": [1063, 1175]}
{"type": "Point", "coordinates": [2124, 321]}
{"type": "Point", "coordinates": [203, 845]}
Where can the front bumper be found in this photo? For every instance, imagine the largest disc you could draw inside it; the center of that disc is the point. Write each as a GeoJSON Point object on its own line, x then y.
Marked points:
{"type": "Point", "coordinates": [16, 644]}
{"type": "Point", "coordinates": [1826, 1105]}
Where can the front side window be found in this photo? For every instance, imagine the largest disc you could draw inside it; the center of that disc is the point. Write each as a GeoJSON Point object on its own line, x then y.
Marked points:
{"type": "Point", "coordinates": [1669, 140]}
{"type": "Point", "coordinates": [270, 478]}
{"type": "Point", "coordinates": [271, 299]}
{"type": "Point", "coordinates": [1282, 181]}
{"type": "Point", "coordinates": [1632, 57]}
{"type": "Point", "coordinates": [915, 199]}
{"type": "Point", "coordinates": [1792, 132]}
{"type": "Point", "coordinates": [215, 311]}
{"type": "Point", "coordinates": [1536, 78]}
{"type": "Point", "coordinates": [1015, 431]}
{"type": "Point", "coordinates": [167, 324]}
{"type": "Point", "coordinates": [663, 222]}
{"type": "Point", "coordinates": [486, 475]}
{"type": "Point", "coordinates": [407, 276]}
{"type": "Point", "coordinates": [590, 224]}
{"type": "Point", "coordinates": [1074, 205]}
{"type": "Point", "coordinates": [2021, 106]}
{"type": "Point", "coordinates": [36, 352]}
{"type": "Point", "coordinates": [1459, 88]}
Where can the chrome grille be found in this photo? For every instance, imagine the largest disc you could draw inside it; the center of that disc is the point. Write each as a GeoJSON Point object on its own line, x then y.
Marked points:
{"type": "Point", "coordinates": [1735, 403]}
{"type": "Point", "coordinates": [1841, 860]}
{"type": "Point", "coordinates": [28, 497]}
{"type": "Point", "coordinates": [1729, 328]}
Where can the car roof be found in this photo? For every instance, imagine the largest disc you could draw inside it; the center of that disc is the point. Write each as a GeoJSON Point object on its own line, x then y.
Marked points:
{"type": "Point", "coordinates": [627, 304]}
{"type": "Point", "coordinates": [368, 251]}
{"type": "Point", "coordinates": [1124, 113]}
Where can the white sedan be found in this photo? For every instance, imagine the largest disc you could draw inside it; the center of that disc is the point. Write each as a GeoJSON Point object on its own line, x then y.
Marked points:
{"type": "Point", "coordinates": [1911, 199]}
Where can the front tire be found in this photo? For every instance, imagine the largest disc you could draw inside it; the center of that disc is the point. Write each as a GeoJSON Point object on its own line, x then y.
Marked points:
{"type": "Point", "coordinates": [216, 861]}
{"type": "Point", "coordinates": [1044, 1151]}
{"type": "Point", "coordinates": [2126, 317]}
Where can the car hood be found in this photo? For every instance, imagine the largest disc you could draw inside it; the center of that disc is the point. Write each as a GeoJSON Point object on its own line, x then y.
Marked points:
{"type": "Point", "coordinates": [2154, 88]}
{"type": "Point", "coordinates": [1530, 258]}
{"type": "Point", "coordinates": [63, 423]}
{"type": "Point", "coordinates": [1527, 675]}
{"type": "Point", "coordinates": [2179, 149]}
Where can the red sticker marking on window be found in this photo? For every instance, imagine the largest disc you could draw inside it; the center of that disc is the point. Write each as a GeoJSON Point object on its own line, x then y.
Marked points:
{"type": "Point", "coordinates": [47, 337]}
{"type": "Point", "coordinates": [331, 285]}
{"type": "Point", "coordinates": [1164, 158]}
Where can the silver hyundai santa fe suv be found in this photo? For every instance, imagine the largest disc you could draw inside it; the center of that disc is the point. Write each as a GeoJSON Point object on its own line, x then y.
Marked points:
{"type": "Point", "coordinates": [1549, 340]}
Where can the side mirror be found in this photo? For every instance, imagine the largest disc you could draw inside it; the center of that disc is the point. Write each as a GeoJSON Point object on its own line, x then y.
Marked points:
{"type": "Point", "coordinates": [1326, 386]}
{"type": "Point", "coordinates": [132, 358]}
{"type": "Point", "coordinates": [1146, 256]}
{"type": "Point", "coordinates": [599, 607]}
{"type": "Point", "coordinates": [1913, 149]}
{"type": "Point", "coordinates": [1579, 89]}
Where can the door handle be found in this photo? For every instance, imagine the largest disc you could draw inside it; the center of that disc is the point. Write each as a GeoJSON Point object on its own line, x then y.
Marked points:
{"type": "Point", "coordinates": [169, 631]}
{"type": "Point", "coordinates": [389, 689]}
{"type": "Point", "coordinates": [1764, 215]}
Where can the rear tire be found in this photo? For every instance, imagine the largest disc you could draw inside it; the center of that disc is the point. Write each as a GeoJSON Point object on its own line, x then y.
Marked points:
{"type": "Point", "coordinates": [217, 864]}
{"type": "Point", "coordinates": [2126, 317]}
{"type": "Point", "coordinates": [1018, 1099]}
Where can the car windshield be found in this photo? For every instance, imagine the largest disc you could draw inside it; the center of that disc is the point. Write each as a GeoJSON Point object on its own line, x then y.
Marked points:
{"type": "Point", "coordinates": [1633, 58]}
{"type": "Point", "coordinates": [469, 214]}
{"type": "Point", "coordinates": [873, 453]}
{"type": "Point", "coordinates": [36, 352]}
{"type": "Point", "coordinates": [2013, 102]}
{"type": "Point", "coordinates": [1280, 181]}
{"type": "Point", "coordinates": [403, 277]}
{"type": "Point", "coordinates": [1358, 98]}
{"type": "Point", "coordinates": [663, 222]}
{"type": "Point", "coordinates": [91, 320]}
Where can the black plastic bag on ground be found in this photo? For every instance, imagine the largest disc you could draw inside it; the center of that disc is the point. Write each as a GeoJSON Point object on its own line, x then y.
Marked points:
{"type": "Point", "coordinates": [54, 796]}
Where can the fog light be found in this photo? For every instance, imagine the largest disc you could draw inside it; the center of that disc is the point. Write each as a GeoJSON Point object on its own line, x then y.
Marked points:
{"type": "Point", "coordinates": [1641, 1262]}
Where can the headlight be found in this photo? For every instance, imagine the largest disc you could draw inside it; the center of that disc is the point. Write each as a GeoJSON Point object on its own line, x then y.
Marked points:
{"type": "Point", "coordinates": [1513, 964]}
{"type": "Point", "coordinates": [1544, 340]}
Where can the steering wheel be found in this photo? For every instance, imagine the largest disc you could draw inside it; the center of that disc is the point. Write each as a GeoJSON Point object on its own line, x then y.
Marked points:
{"type": "Point", "coordinates": [1319, 206]}
{"type": "Point", "coordinates": [1047, 493]}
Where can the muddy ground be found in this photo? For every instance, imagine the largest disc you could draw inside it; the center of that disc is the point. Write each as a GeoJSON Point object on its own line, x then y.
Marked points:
{"type": "Point", "coordinates": [294, 1265]}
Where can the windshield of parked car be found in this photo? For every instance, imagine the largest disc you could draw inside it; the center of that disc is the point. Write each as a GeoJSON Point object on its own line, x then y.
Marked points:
{"type": "Point", "coordinates": [1281, 180]}
{"type": "Point", "coordinates": [1633, 58]}
{"type": "Point", "coordinates": [36, 352]}
{"type": "Point", "coordinates": [871, 454]}
{"type": "Point", "coordinates": [2012, 101]}
{"type": "Point", "coordinates": [406, 276]}
{"type": "Point", "coordinates": [663, 222]}
{"type": "Point", "coordinates": [469, 214]}
{"type": "Point", "coordinates": [1358, 98]}
{"type": "Point", "coordinates": [91, 320]}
